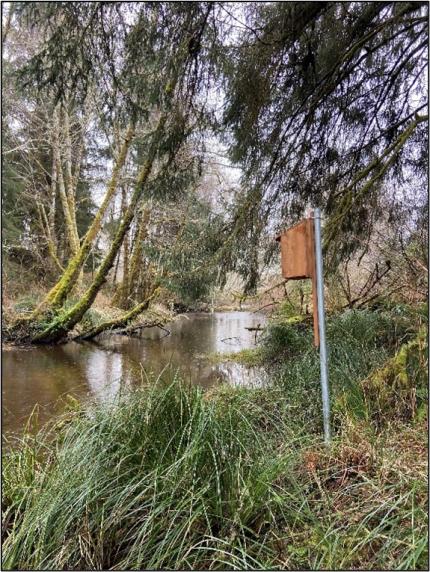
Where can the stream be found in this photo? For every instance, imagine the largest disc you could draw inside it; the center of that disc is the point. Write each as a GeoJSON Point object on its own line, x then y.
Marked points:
{"type": "Point", "coordinates": [41, 376]}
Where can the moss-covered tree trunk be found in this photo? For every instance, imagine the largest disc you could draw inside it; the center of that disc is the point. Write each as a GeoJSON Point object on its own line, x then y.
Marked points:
{"type": "Point", "coordinates": [120, 322]}
{"type": "Point", "coordinates": [72, 170]}
{"type": "Point", "coordinates": [66, 193]}
{"type": "Point", "coordinates": [51, 215]}
{"type": "Point", "coordinates": [61, 325]}
{"type": "Point", "coordinates": [125, 271]}
{"type": "Point", "coordinates": [58, 294]}
{"type": "Point", "coordinates": [127, 289]}
{"type": "Point", "coordinates": [121, 293]}
{"type": "Point", "coordinates": [136, 257]}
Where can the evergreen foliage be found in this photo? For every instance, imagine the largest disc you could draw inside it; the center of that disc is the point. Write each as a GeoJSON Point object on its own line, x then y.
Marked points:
{"type": "Point", "coordinates": [327, 102]}
{"type": "Point", "coordinates": [185, 246]}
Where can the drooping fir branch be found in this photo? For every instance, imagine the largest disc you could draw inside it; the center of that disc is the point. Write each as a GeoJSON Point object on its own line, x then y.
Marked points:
{"type": "Point", "coordinates": [378, 167]}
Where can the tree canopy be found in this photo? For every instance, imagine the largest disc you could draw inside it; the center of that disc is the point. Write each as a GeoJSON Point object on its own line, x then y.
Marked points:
{"type": "Point", "coordinates": [327, 106]}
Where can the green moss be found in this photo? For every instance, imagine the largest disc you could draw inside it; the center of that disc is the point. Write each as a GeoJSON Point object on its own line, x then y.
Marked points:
{"type": "Point", "coordinates": [398, 388]}
{"type": "Point", "coordinates": [249, 357]}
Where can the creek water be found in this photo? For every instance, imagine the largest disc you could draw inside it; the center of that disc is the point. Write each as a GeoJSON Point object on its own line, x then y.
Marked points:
{"type": "Point", "coordinates": [43, 376]}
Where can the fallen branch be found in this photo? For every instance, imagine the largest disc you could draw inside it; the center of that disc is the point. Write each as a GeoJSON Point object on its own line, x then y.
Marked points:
{"type": "Point", "coordinates": [117, 323]}
{"type": "Point", "coordinates": [131, 329]}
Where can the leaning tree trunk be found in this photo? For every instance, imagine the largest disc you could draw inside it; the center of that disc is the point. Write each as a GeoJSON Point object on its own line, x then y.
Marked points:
{"type": "Point", "coordinates": [59, 328]}
{"type": "Point", "coordinates": [120, 322]}
{"type": "Point", "coordinates": [58, 294]}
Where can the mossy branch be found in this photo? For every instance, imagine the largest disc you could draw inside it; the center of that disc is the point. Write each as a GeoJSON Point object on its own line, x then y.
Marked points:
{"type": "Point", "coordinates": [120, 322]}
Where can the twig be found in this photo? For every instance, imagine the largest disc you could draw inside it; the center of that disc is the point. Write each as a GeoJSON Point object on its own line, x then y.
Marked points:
{"type": "Point", "coordinates": [265, 306]}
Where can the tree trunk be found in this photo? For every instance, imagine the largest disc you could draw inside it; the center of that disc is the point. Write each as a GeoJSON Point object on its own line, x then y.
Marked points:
{"type": "Point", "coordinates": [376, 170]}
{"type": "Point", "coordinates": [69, 214]}
{"type": "Point", "coordinates": [136, 257]}
{"type": "Point", "coordinates": [59, 328]}
{"type": "Point", "coordinates": [53, 204]}
{"type": "Point", "coordinates": [58, 294]}
{"type": "Point", "coordinates": [132, 264]}
{"type": "Point", "coordinates": [69, 180]}
{"type": "Point", "coordinates": [48, 237]}
{"type": "Point", "coordinates": [121, 294]}
{"type": "Point", "coordinates": [7, 26]}
{"type": "Point", "coordinates": [115, 274]}
{"type": "Point", "coordinates": [121, 321]}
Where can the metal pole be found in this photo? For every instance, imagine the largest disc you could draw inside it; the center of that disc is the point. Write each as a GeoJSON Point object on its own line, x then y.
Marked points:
{"type": "Point", "coordinates": [321, 324]}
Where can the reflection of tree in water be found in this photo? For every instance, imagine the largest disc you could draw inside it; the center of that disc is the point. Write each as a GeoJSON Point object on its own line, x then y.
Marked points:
{"type": "Point", "coordinates": [104, 367]}
{"type": "Point", "coordinates": [104, 371]}
{"type": "Point", "coordinates": [110, 368]}
{"type": "Point", "coordinates": [40, 376]}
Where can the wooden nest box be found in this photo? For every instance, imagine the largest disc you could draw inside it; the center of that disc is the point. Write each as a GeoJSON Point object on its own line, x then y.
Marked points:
{"type": "Point", "coordinates": [298, 259]}
{"type": "Point", "coordinates": [298, 251]}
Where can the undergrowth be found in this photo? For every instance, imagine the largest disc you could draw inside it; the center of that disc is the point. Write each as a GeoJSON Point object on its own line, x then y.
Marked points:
{"type": "Point", "coordinates": [168, 477]}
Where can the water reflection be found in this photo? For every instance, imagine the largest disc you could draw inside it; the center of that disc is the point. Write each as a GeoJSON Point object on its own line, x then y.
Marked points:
{"type": "Point", "coordinates": [99, 369]}
{"type": "Point", "coordinates": [104, 374]}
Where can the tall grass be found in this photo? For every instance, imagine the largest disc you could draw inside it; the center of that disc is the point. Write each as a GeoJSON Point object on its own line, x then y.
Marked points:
{"type": "Point", "coordinates": [358, 342]}
{"type": "Point", "coordinates": [167, 477]}
{"type": "Point", "coordinates": [160, 479]}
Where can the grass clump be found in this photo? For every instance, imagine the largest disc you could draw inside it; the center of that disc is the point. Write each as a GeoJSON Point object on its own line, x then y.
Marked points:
{"type": "Point", "coordinates": [161, 479]}
{"type": "Point", "coordinates": [359, 343]}
{"type": "Point", "coordinates": [250, 357]}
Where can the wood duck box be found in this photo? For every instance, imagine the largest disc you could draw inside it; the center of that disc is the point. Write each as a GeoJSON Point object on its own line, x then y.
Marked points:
{"type": "Point", "coordinates": [297, 251]}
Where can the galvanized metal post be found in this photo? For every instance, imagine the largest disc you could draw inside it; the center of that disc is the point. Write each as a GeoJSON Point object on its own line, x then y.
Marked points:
{"type": "Point", "coordinates": [321, 324]}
